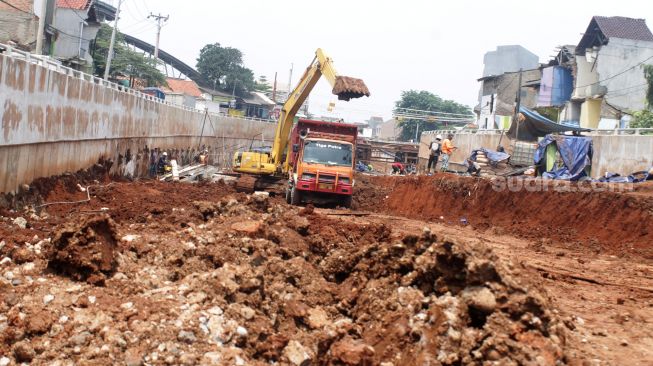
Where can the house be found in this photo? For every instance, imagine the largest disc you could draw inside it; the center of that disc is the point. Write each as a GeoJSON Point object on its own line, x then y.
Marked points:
{"type": "Point", "coordinates": [498, 95]}
{"type": "Point", "coordinates": [389, 130]}
{"type": "Point", "coordinates": [556, 84]}
{"type": "Point", "coordinates": [182, 92]}
{"type": "Point", "coordinates": [280, 96]}
{"type": "Point", "coordinates": [76, 23]}
{"type": "Point", "coordinates": [18, 24]}
{"type": "Point", "coordinates": [258, 105]}
{"type": "Point", "coordinates": [508, 59]}
{"type": "Point", "coordinates": [498, 88]}
{"type": "Point", "coordinates": [374, 124]}
{"type": "Point", "coordinates": [610, 82]}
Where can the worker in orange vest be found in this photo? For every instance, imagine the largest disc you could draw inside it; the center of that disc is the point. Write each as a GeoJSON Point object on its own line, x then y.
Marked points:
{"type": "Point", "coordinates": [447, 150]}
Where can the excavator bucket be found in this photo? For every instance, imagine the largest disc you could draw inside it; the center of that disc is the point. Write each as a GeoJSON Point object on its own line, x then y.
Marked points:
{"type": "Point", "coordinates": [347, 88]}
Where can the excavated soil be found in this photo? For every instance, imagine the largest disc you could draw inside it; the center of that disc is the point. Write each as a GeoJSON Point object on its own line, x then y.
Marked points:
{"type": "Point", "coordinates": [619, 223]}
{"type": "Point", "coordinates": [347, 88]}
{"type": "Point", "coordinates": [85, 251]}
{"type": "Point", "coordinates": [199, 274]}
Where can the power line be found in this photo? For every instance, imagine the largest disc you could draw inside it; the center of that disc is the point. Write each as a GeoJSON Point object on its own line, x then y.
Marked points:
{"type": "Point", "coordinates": [617, 74]}
{"type": "Point", "coordinates": [432, 112]}
{"type": "Point", "coordinates": [73, 8]}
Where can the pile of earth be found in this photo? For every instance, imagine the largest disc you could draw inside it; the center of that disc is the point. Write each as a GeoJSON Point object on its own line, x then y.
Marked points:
{"type": "Point", "coordinates": [241, 279]}
{"type": "Point", "coordinates": [607, 220]}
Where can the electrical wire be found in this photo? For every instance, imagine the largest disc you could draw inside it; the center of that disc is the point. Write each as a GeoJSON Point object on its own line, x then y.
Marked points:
{"type": "Point", "coordinates": [68, 34]}
{"type": "Point", "coordinates": [73, 9]}
{"type": "Point", "coordinates": [617, 74]}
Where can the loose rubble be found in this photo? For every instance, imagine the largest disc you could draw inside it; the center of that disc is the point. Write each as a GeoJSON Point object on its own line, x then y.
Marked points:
{"type": "Point", "coordinates": [247, 280]}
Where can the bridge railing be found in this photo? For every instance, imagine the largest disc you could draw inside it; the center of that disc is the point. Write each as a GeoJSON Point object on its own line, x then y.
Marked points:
{"type": "Point", "coordinates": [54, 65]}
{"type": "Point", "coordinates": [598, 132]}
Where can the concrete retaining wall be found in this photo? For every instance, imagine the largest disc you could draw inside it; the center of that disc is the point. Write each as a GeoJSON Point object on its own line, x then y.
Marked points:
{"type": "Point", "coordinates": [623, 154]}
{"type": "Point", "coordinates": [55, 122]}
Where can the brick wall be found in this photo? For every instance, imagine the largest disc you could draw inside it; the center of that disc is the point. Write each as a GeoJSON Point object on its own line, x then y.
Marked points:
{"type": "Point", "coordinates": [24, 5]}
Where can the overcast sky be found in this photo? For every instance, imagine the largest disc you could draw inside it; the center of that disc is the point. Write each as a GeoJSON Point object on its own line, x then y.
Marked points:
{"type": "Point", "coordinates": [393, 45]}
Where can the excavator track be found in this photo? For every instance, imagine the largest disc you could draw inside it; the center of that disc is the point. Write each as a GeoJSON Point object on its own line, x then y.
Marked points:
{"type": "Point", "coordinates": [246, 183]}
{"type": "Point", "coordinates": [250, 183]}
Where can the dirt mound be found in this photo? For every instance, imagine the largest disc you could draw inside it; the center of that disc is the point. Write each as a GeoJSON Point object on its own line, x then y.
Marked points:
{"type": "Point", "coordinates": [85, 251]}
{"type": "Point", "coordinates": [368, 193]}
{"type": "Point", "coordinates": [242, 280]}
{"type": "Point", "coordinates": [347, 88]}
{"type": "Point", "coordinates": [61, 185]}
{"type": "Point", "coordinates": [619, 223]}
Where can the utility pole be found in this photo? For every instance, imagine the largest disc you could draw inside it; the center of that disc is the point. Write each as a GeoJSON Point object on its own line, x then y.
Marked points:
{"type": "Point", "coordinates": [159, 19]}
{"type": "Point", "coordinates": [518, 102]}
{"type": "Point", "coordinates": [274, 89]}
{"type": "Point", "coordinates": [41, 31]}
{"type": "Point", "coordinates": [107, 69]}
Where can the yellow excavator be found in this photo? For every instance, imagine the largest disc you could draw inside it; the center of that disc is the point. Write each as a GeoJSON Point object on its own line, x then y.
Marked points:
{"type": "Point", "coordinates": [262, 169]}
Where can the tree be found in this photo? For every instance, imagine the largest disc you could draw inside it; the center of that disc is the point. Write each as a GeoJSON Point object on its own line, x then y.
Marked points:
{"type": "Point", "coordinates": [262, 85]}
{"type": "Point", "coordinates": [223, 67]}
{"type": "Point", "coordinates": [125, 61]}
{"type": "Point", "coordinates": [239, 81]}
{"type": "Point", "coordinates": [425, 101]}
{"type": "Point", "coordinates": [642, 119]}
{"type": "Point", "coordinates": [648, 75]}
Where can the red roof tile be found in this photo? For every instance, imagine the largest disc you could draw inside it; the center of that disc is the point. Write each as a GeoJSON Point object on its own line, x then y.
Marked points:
{"type": "Point", "coordinates": [187, 87]}
{"type": "Point", "coordinates": [73, 4]}
{"type": "Point", "coordinates": [622, 27]}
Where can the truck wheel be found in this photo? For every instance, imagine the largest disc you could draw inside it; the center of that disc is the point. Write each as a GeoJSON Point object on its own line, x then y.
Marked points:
{"type": "Point", "coordinates": [346, 202]}
{"type": "Point", "coordinates": [295, 196]}
{"type": "Point", "coordinates": [288, 195]}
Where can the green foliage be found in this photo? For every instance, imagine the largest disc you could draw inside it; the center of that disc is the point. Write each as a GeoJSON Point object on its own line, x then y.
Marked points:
{"type": "Point", "coordinates": [125, 61]}
{"type": "Point", "coordinates": [426, 101]}
{"type": "Point", "coordinates": [223, 67]}
{"type": "Point", "coordinates": [648, 74]}
{"type": "Point", "coordinates": [642, 119]}
{"type": "Point", "coordinates": [551, 113]}
{"type": "Point", "coordinates": [262, 85]}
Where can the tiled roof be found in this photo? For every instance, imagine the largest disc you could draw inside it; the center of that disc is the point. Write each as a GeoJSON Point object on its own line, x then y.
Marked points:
{"type": "Point", "coordinates": [622, 27]}
{"type": "Point", "coordinates": [181, 86]}
{"type": "Point", "coordinates": [73, 4]}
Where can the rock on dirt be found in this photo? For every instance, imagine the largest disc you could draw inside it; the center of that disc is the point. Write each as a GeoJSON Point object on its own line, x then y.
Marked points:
{"type": "Point", "coordinates": [352, 352]}
{"type": "Point", "coordinates": [194, 289]}
{"type": "Point", "coordinates": [86, 251]}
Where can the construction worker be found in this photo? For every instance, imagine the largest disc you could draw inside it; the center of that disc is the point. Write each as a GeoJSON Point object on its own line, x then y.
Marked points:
{"type": "Point", "coordinates": [435, 149]}
{"type": "Point", "coordinates": [447, 150]}
{"type": "Point", "coordinates": [473, 168]}
{"type": "Point", "coordinates": [398, 168]}
{"type": "Point", "coordinates": [163, 163]}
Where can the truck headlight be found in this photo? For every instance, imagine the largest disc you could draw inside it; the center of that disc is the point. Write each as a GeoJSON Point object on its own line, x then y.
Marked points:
{"type": "Point", "coordinates": [344, 180]}
{"type": "Point", "coordinates": [308, 176]}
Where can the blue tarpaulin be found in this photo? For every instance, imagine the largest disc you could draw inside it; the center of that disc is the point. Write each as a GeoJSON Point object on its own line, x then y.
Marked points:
{"type": "Point", "coordinates": [535, 125]}
{"type": "Point", "coordinates": [575, 151]}
{"type": "Point", "coordinates": [493, 156]}
{"type": "Point", "coordinates": [636, 177]}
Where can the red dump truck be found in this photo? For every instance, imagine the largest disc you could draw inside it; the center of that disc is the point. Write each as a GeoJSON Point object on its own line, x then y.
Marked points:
{"type": "Point", "coordinates": [321, 163]}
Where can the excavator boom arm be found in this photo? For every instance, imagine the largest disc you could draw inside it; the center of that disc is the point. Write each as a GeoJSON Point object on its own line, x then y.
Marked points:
{"type": "Point", "coordinates": [345, 87]}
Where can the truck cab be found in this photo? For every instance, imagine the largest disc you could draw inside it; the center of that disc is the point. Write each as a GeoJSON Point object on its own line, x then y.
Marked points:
{"type": "Point", "coordinates": [321, 163]}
